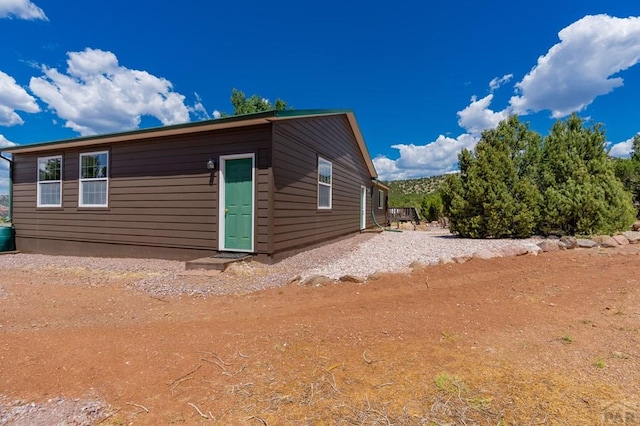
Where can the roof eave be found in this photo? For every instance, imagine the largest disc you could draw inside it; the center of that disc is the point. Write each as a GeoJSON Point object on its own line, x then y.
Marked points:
{"type": "Point", "coordinates": [138, 135]}
{"type": "Point", "coordinates": [363, 147]}
{"type": "Point", "coordinates": [201, 126]}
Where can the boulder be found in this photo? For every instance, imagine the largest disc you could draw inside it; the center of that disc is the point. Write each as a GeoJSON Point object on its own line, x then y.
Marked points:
{"type": "Point", "coordinates": [514, 250]}
{"type": "Point", "coordinates": [636, 226]}
{"type": "Point", "coordinates": [351, 279]}
{"type": "Point", "coordinates": [375, 276]}
{"type": "Point", "coordinates": [586, 243]}
{"type": "Point", "coordinates": [605, 241]}
{"type": "Point", "coordinates": [416, 265]}
{"type": "Point", "coordinates": [569, 241]}
{"type": "Point", "coordinates": [316, 281]}
{"type": "Point", "coordinates": [549, 245]}
{"type": "Point", "coordinates": [484, 254]}
{"type": "Point", "coordinates": [532, 248]}
{"type": "Point", "coordinates": [407, 226]}
{"type": "Point", "coordinates": [461, 259]}
{"type": "Point", "coordinates": [621, 239]}
{"type": "Point", "coordinates": [632, 236]}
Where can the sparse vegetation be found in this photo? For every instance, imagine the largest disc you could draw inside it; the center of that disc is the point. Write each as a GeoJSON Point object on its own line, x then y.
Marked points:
{"type": "Point", "coordinates": [406, 191]}
{"type": "Point", "coordinates": [421, 193]}
{"type": "Point", "coordinates": [566, 339]}
{"type": "Point", "coordinates": [448, 384]}
{"type": "Point", "coordinates": [448, 336]}
{"type": "Point", "coordinates": [391, 352]}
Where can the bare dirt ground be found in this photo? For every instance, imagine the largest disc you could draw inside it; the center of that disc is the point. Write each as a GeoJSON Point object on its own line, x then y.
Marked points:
{"type": "Point", "coordinates": [547, 339]}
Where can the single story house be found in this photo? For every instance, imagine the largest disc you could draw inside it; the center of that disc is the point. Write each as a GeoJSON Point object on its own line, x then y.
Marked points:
{"type": "Point", "coordinates": [269, 184]}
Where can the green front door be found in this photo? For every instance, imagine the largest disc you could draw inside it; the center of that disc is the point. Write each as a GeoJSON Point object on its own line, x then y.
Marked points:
{"type": "Point", "coordinates": [238, 204]}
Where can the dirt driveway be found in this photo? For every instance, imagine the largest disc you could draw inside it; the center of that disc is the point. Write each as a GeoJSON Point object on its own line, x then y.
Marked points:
{"type": "Point", "coordinates": [550, 339]}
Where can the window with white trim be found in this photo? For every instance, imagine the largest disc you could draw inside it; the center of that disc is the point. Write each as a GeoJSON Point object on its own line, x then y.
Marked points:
{"type": "Point", "coordinates": [324, 183]}
{"type": "Point", "coordinates": [94, 179]}
{"type": "Point", "coordinates": [380, 199]}
{"type": "Point", "coordinates": [50, 181]}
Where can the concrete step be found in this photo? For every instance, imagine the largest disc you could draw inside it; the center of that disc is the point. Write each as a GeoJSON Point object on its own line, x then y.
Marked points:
{"type": "Point", "coordinates": [215, 263]}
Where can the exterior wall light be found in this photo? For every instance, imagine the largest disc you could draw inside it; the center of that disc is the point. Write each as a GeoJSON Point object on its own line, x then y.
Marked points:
{"type": "Point", "coordinates": [211, 164]}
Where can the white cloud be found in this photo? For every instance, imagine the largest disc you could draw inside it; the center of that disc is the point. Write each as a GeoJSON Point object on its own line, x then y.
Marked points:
{"type": "Point", "coordinates": [497, 82]}
{"type": "Point", "coordinates": [4, 166]}
{"type": "Point", "coordinates": [441, 156]}
{"type": "Point", "coordinates": [435, 158]}
{"type": "Point", "coordinates": [216, 113]}
{"type": "Point", "coordinates": [5, 143]}
{"type": "Point", "coordinates": [21, 9]}
{"type": "Point", "coordinates": [581, 67]}
{"type": "Point", "coordinates": [478, 117]}
{"type": "Point", "coordinates": [198, 109]}
{"type": "Point", "coordinates": [14, 98]}
{"type": "Point", "coordinates": [4, 184]}
{"type": "Point", "coordinates": [4, 180]}
{"type": "Point", "coordinates": [97, 95]}
{"type": "Point", "coordinates": [621, 149]}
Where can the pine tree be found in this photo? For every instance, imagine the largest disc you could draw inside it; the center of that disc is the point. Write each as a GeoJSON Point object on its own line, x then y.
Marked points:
{"type": "Point", "coordinates": [254, 103]}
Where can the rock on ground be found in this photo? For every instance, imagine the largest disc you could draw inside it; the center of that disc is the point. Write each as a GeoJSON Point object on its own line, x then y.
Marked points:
{"type": "Point", "coordinates": [605, 241]}
{"type": "Point", "coordinates": [632, 236]}
{"type": "Point", "coordinates": [586, 243]}
{"type": "Point", "coordinates": [549, 245]}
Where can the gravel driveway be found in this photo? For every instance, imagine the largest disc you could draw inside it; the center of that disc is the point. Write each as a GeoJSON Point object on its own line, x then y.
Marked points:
{"type": "Point", "coordinates": [360, 255]}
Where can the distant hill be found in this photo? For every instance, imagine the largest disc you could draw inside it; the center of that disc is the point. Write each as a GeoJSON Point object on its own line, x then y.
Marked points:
{"type": "Point", "coordinates": [4, 207]}
{"type": "Point", "coordinates": [410, 192]}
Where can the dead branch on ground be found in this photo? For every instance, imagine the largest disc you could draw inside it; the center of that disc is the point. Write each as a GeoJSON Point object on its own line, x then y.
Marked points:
{"type": "Point", "coordinates": [143, 409]}
{"type": "Point", "coordinates": [174, 383]}
{"type": "Point", "coordinates": [260, 419]}
{"type": "Point", "coordinates": [204, 416]}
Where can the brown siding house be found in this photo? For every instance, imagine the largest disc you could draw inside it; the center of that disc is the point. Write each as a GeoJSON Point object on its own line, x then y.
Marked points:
{"type": "Point", "coordinates": [269, 184]}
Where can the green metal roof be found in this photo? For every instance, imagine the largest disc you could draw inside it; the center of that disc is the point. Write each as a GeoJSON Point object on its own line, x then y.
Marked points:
{"type": "Point", "coordinates": [189, 125]}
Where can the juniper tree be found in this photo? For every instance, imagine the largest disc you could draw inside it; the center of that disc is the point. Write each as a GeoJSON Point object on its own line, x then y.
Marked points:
{"type": "Point", "coordinates": [496, 194]}
{"type": "Point", "coordinates": [628, 171]}
{"type": "Point", "coordinates": [581, 192]}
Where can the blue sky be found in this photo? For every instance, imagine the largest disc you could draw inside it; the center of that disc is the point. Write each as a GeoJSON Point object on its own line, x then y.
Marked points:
{"type": "Point", "coordinates": [423, 78]}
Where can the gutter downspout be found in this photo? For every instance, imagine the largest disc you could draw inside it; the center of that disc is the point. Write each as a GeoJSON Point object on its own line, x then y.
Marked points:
{"type": "Point", "coordinates": [373, 211]}
{"type": "Point", "coordinates": [10, 186]}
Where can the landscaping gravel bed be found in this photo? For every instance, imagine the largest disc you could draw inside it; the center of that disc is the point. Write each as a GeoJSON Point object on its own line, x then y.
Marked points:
{"type": "Point", "coordinates": [360, 255]}
{"type": "Point", "coordinates": [391, 251]}
{"type": "Point", "coordinates": [56, 411]}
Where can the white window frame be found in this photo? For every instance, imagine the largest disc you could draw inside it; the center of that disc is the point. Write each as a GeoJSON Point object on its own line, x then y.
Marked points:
{"type": "Point", "coordinates": [321, 183]}
{"type": "Point", "coordinates": [48, 182]}
{"type": "Point", "coordinates": [380, 199]}
{"type": "Point", "coordinates": [82, 180]}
